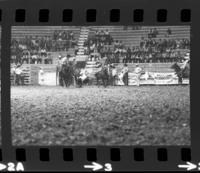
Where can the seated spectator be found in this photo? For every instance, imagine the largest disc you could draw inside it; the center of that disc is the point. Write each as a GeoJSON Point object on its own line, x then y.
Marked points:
{"type": "Point", "coordinates": [43, 52]}
{"type": "Point", "coordinates": [96, 33]}
{"type": "Point", "coordinates": [13, 59]}
{"type": "Point", "coordinates": [55, 35]}
{"type": "Point", "coordinates": [169, 31]}
{"type": "Point", "coordinates": [34, 58]}
{"type": "Point", "coordinates": [59, 36]}
{"type": "Point", "coordinates": [101, 33]}
{"type": "Point", "coordinates": [48, 59]}
{"type": "Point", "coordinates": [155, 33]}
{"type": "Point", "coordinates": [71, 35]}
{"type": "Point", "coordinates": [91, 48]}
{"type": "Point", "coordinates": [150, 57]}
{"type": "Point", "coordinates": [150, 34]}
{"type": "Point", "coordinates": [26, 57]}
{"type": "Point", "coordinates": [103, 39]}
{"type": "Point", "coordinates": [116, 44]}
{"type": "Point", "coordinates": [120, 45]}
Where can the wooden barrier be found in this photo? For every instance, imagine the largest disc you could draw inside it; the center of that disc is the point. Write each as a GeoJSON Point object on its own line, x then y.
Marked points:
{"type": "Point", "coordinates": [30, 75]}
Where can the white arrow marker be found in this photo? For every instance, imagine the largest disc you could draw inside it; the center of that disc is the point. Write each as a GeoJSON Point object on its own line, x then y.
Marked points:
{"type": "Point", "coordinates": [189, 166]}
{"type": "Point", "coordinates": [95, 166]}
{"type": "Point", "coordinates": [2, 166]}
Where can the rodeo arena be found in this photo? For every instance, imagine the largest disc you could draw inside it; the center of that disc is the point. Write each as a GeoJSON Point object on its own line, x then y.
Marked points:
{"type": "Point", "coordinates": [100, 85]}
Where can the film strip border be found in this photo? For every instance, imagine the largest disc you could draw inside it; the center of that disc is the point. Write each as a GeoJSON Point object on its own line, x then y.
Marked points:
{"type": "Point", "coordinates": [91, 154]}
{"type": "Point", "coordinates": [88, 13]}
{"type": "Point", "coordinates": [44, 15]}
{"type": "Point", "coordinates": [119, 158]}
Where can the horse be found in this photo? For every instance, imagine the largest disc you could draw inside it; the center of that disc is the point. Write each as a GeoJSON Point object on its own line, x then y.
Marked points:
{"type": "Point", "coordinates": [102, 75]}
{"type": "Point", "coordinates": [181, 72]}
{"type": "Point", "coordinates": [65, 74]}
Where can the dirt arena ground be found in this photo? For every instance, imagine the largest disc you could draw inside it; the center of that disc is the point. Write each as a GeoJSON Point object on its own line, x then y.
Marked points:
{"type": "Point", "coordinates": [145, 115]}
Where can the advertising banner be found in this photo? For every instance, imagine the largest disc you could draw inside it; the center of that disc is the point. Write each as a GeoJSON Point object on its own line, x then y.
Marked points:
{"type": "Point", "coordinates": [164, 78]}
{"type": "Point", "coordinates": [152, 78]}
{"type": "Point", "coordinates": [133, 79]}
{"type": "Point", "coordinates": [47, 78]}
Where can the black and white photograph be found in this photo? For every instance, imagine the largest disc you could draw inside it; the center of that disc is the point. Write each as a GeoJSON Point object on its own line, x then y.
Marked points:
{"type": "Point", "coordinates": [0, 85]}
{"type": "Point", "coordinates": [100, 85]}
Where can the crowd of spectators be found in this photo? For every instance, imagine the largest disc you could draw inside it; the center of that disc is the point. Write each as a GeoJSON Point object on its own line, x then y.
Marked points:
{"type": "Point", "coordinates": [150, 49]}
{"type": "Point", "coordinates": [63, 35]}
{"type": "Point", "coordinates": [59, 41]}
{"type": "Point", "coordinates": [97, 42]}
{"type": "Point", "coordinates": [33, 57]}
{"type": "Point", "coordinates": [134, 27]}
{"type": "Point", "coordinates": [153, 33]}
{"type": "Point", "coordinates": [38, 46]}
{"type": "Point", "coordinates": [103, 43]}
{"type": "Point", "coordinates": [157, 50]}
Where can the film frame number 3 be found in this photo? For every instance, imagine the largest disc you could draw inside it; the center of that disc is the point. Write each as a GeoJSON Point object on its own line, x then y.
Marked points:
{"type": "Point", "coordinates": [96, 166]}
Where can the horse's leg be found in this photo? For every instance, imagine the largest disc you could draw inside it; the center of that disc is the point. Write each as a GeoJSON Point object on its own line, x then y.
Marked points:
{"type": "Point", "coordinates": [60, 81]}
{"type": "Point", "coordinates": [104, 82]}
{"type": "Point", "coordinates": [68, 80]}
{"type": "Point", "coordinates": [65, 81]}
{"type": "Point", "coordinates": [88, 81]}
{"type": "Point", "coordinates": [80, 83]}
{"type": "Point", "coordinates": [60, 77]}
{"type": "Point", "coordinates": [107, 82]}
{"type": "Point", "coordinates": [179, 78]}
{"type": "Point", "coordinates": [112, 80]}
{"type": "Point", "coordinates": [98, 82]}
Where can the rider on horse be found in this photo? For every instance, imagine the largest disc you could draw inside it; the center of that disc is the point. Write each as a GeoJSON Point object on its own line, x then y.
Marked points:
{"type": "Point", "coordinates": [182, 70]}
